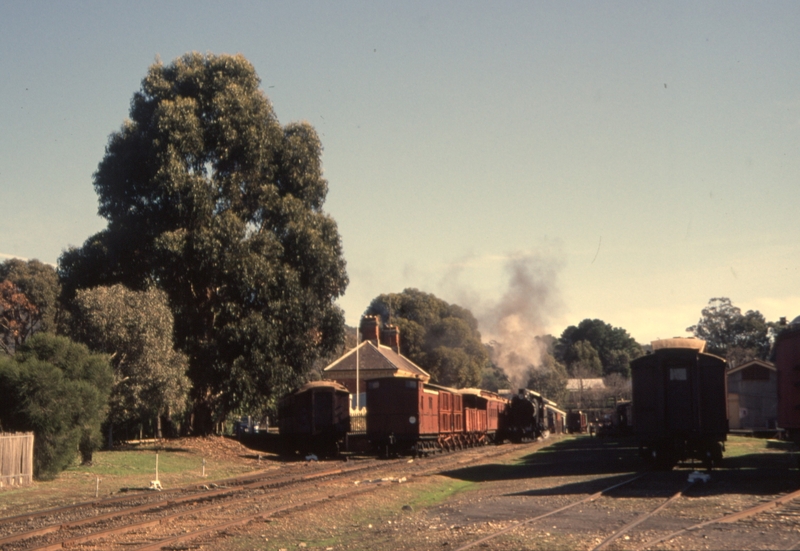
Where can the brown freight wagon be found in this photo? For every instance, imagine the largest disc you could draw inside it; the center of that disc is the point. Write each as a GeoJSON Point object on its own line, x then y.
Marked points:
{"type": "Point", "coordinates": [402, 415]}
{"type": "Point", "coordinates": [576, 422]}
{"type": "Point", "coordinates": [787, 361]}
{"type": "Point", "coordinates": [315, 418]}
{"type": "Point", "coordinates": [679, 405]}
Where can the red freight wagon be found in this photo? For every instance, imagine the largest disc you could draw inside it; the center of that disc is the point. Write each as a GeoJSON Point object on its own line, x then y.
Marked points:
{"type": "Point", "coordinates": [482, 411]}
{"type": "Point", "coordinates": [451, 417]}
{"type": "Point", "coordinates": [402, 415]}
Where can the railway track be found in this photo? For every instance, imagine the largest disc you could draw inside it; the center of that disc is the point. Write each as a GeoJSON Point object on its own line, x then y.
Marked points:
{"type": "Point", "coordinates": [779, 507]}
{"type": "Point", "coordinates": [48, 528]}
{"type": "Point", "coordinates": [152, 520]}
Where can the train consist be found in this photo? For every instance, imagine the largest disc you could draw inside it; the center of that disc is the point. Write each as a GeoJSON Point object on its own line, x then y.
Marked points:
{"type": "Point", "coordinates": [678, 409]}
{"type": "Point", "coordinates": [408, 416]}
{"type": "Point", "coordinates": [679, 403]}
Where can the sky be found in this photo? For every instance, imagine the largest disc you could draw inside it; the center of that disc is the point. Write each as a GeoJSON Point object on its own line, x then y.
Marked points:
{"type": "Point", "coordinates": [537, 162]}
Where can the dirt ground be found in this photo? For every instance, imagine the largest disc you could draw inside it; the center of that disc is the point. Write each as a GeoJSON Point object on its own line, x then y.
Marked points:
{"type": "Point", "coordinates": [451, 510]}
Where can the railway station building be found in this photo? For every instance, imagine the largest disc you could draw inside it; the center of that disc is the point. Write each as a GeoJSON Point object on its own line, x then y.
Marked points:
{"type": "Point", "coordinates": [753, 397]}
{"type": "Point", "coordinates": [377, 354]}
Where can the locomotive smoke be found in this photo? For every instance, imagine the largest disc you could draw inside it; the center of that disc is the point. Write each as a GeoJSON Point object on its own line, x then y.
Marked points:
{"type": "Point", "coordinates": [522, 313]}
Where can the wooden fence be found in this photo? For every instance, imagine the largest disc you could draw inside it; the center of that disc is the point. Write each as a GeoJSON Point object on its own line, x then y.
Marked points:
{"type": "Point", "coordinates": [16, 459]}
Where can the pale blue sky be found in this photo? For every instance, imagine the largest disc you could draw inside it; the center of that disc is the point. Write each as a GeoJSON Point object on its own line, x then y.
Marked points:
{"type": "Point", "coordinates": [637, 158]}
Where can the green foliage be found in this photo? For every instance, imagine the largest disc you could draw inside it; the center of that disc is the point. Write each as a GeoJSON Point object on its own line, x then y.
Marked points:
{"type": "Point", "coordinates": [613, 346]}
{"type": "Point", "coordinates": [582, 360]}
{"type": "Point", "coordinates": [208, 198]}
{"type": "Point", "coordinates": [494, 378]}
{"type": "Point", "coordinates": [549, 379]}
{"type": "Point", "coordinates": [39, 282]}
{"type": "Point", "coordinates": [59, 390]}
{"type": "Point", "coordinates": [728, 332]}
{"type": "Point", "coordinates": [441, 338]}
{"type": "Point", "coordinates": [135, 328]}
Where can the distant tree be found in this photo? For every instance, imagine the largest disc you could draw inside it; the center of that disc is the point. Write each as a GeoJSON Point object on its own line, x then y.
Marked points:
{"type": "Point", "coordinates": [726, 330]}
{"type": "Point", "coordinates": [494, 377]}
{"type": "Point", "coordinates": [210, 199]}
{"type": "Point", "coordinates": [618, 363]}
{"type": "Point", "coordinates": [617, 387]}
{"type": "Point", "coordinates": [39, 282]}
{"type": "Point", "coordinates": [582, 360]}
{"type": "Point", "coordinates": [19, 317]}
{"type": "Point", "coordinates": [549, 379]}
{"type": "Point", "coordinates": [135, 328]}
{"type": "Point", "coordinates": [59, 390]}
{"type": "Point", "coordinates": [441, 338]}
{"type": "Point", "coordinates": [614, 346]}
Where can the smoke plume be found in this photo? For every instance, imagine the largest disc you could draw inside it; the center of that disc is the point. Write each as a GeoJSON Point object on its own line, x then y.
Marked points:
{"type": "Point", "coordinates": [522, 313]}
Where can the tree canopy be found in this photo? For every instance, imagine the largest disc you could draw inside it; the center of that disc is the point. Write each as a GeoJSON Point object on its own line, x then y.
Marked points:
{"type": "Point", "coordinates": [29, 293]}
{"type": "Point", "coordinates": [613, 345]}
{"type": "Point", "coordinates": [549, 379]}
{"type": "Point", "coordinates": [730, 334]}
{"type": "Point", "coordinates": [135, 328]}
{"type": "Point", "coordinates": [441, 338]}
{"type": "Point", "coordinates": [210, 199]}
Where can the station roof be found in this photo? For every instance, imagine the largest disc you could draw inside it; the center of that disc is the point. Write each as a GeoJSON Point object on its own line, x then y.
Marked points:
{"type": "Point", "coordinates": [375, 358]}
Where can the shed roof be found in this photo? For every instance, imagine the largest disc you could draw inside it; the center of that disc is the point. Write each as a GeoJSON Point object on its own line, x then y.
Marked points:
{"type": "Point", "coordinates": [762, 363]}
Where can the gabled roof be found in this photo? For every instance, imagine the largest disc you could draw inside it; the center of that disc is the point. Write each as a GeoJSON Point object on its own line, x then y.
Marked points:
{"type": "Point", "coordinates": [376, 358]}
{"type": "Point", "coordinates": [762, 363]}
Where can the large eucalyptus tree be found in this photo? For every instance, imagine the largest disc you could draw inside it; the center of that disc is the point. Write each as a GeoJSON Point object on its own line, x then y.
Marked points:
{"type": "Point", "coordinates": [209, 198]}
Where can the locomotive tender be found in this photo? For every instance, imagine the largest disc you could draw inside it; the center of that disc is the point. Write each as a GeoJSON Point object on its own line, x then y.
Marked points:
{"type": "Point", "coordinates": [679, 403]}
{"type": "Point", "coordinates": [525, 417]}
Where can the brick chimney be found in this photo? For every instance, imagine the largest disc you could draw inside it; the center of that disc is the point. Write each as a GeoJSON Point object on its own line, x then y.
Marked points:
{"type": "Point", "coordinates": [390, 336]}
{"type": "Point", "coordinates": [370, 328]}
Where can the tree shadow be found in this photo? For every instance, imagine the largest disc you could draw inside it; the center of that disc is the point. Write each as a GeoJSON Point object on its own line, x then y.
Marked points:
{"type": "Point", "coordinates": [612, 460]}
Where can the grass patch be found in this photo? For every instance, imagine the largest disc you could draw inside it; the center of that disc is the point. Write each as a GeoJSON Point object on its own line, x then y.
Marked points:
{"type": "Point", "coordinates": [441, 492]}
{"type": "Point", "coordinates": [737, 446]}
{"type": "Point", "coordinates": [118, 470]}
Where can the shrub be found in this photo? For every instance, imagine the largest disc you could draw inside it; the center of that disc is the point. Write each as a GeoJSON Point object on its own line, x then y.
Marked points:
{"type": "Point", "coordinates": [59, 390]}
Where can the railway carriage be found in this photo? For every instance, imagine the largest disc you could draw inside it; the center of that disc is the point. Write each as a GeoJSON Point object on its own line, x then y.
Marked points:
{"type": "Point", "coordinates": [679, 403]}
